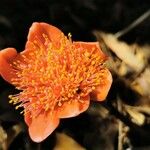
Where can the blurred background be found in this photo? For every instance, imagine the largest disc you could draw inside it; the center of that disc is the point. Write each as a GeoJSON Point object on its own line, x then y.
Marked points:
{"type": "Point", "coordinates": [122, 121]}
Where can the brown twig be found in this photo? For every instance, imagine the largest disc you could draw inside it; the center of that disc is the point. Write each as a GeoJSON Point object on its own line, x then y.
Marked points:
{"type": "Point", "coordinates": [120, 127]}
{"type": "Point", "coordinates": [133, 24]}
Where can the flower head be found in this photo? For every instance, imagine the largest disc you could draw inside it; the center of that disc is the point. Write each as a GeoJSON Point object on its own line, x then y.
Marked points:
{"type": "Point", "coordinates": [56, 77]}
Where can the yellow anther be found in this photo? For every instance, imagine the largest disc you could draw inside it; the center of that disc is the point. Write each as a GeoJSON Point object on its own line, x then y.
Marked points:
{"type": "Point", "coordinates": [72, 79]}
{"type": "Point", "coordinates": [93, 87]}
{"type": "Point", "coordinates": [87, 54]}
{"type": "Point", "coordinates": [41, 79]}
{"type": "Point", "coordinates": [33, 81]}
{"type": "Point", "coordinates": [17, 107]}
{"type": "Point", "coordinates": [93, 62]}
{"type": "Point", "coordinates": [69, 36]}
{"type": "Point", "coordinates": [11, 101]}
{"type": "Point", "coordinates": [81, 101]}
{"type": "Point", "coordinates": [10, 96]}
{"type": "Point", "coordinates": [69, 95]}
{"type": "Point", "coordinates": [47, 107]}
{"type": "Point", "coordinates": [22, 112]}
{"type": "Point", "coordinates": [44, 35]}
{"type": "Point", "coordinates": [88, 75]}
{"type": "Point", "coordinates": [34, 105]}
{"type": "Point", "coordinates": [59, 103]}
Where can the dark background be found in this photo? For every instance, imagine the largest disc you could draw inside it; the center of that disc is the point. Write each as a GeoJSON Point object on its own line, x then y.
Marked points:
{"type": "Point", "coordinates": [81, 18]}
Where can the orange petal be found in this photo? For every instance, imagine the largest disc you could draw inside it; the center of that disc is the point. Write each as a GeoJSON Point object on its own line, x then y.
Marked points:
{"type": "Point", "coordinates": [37, 31]}
{"type": "Point", "coordinates": [6, 57]}
{"type": "Point", "coordinates": [89, 46]}
{"type": "Point", "coordinates": [28, 118]}
{"type": "Point", "coordinates": [74, 108]}
{"type": "Point", "coordinates": [102, 90]}
{"type": "Point", "coordinates": [42, 126]}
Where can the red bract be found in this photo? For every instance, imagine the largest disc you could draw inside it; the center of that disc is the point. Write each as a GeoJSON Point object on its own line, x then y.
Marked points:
{"type": "Point", "coordinates": [56, 77]}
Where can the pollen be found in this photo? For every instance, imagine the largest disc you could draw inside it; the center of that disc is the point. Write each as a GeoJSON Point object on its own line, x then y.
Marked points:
{"type": "Point", "coordinates": [49, 76]}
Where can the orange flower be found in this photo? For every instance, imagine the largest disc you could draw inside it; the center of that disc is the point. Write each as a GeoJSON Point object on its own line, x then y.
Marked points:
{"type": "Point", "coordinates": [56, 77]}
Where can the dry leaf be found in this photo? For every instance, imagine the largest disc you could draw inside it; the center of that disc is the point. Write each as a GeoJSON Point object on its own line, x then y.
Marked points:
{"type": "Point", "coordinates": [142, 83]}
{"type": "Point", "coordinates": [125, 52]}
{"type": "Point", "coordinates": [13, 132]}
{"type": "Point", "coordinates": [64, 142]}
{"type": "Point", "coordinates": [141, 109]}
{"type": "Point", "coordinates": [3, 138]}
{"type": "Point", "coordinates": [136, 115]}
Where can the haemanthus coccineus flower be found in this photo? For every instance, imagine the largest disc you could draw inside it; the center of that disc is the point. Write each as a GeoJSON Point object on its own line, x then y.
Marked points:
{"type": "Point", "coordinates": [56, 77]}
